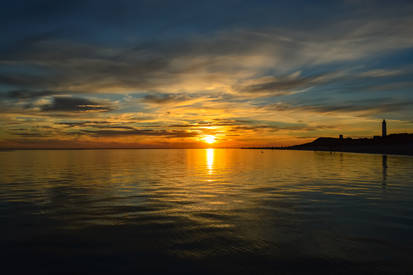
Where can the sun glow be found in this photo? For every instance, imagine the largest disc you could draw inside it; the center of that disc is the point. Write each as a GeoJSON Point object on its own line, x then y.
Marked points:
{"type": "Point", "coordinates": [209, 139]}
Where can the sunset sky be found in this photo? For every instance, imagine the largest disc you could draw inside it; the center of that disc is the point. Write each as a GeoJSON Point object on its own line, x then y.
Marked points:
{"type": "Point", "coordinates": [180, 74]}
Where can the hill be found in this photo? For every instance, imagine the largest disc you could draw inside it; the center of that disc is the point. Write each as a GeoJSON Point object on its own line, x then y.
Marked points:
{"type": "Point", "coordinates": [391, 144]}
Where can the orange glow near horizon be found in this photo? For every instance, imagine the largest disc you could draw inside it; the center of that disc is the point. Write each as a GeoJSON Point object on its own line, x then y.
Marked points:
{"type": "Point", "coordinates": [224, 132]}
{"type": "Point", "coordinates": [209, 139]}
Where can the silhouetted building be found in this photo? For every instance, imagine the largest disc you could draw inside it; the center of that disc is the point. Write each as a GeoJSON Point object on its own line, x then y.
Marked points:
{"type": "Point", "coordinates": [383, 128]}
{"type": "Point", "coordinates": [341, 137]}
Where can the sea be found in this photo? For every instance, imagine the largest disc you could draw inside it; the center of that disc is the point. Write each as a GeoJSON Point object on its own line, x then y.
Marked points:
{"type": "Point", "coordinates": [205, 211]}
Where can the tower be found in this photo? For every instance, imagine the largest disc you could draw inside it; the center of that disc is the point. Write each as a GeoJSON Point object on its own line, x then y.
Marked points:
{"type": "Point", "coordinates": [383, 128]}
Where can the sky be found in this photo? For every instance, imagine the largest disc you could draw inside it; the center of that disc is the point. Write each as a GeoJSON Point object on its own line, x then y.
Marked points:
{"type": "Point", "coordinates": [175, 74]}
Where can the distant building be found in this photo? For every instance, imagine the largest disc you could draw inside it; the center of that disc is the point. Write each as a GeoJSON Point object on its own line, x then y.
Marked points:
{"type": "Point", "coordinates": [383, 128]}
{"type": "Point", "coordinates": [341, 137]}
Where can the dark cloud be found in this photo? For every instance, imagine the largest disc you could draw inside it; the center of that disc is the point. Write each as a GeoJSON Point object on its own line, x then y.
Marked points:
{"type": "Point", "coordinates": [32, 131]}
{"type": "Point", "coordinates": [280, 86]}
{"type": "Point", "coordinates": [28, 80]}
{"type": "Point", "coordinates": [292, 127]}
{"type": "Point", "coordinates": [74, 104]}
{"type": "Point", "coordinates": [212, 123]}
{"type": "Point", "coordinates": [380, 108]}
{"type": "Point", "coordinates": [251, 125]}
{"type": "Point", "coordinates": [374, 106]}
{"type": "Point", "coordinates": [30, 135]}
{"type": "Point", "coordinates": [100, 126]}
{"type": "Point", "coordinates": [165, 98]}
{"type": "Point", "coordinates": [140, 132]}
{"type": "Point", "coordinates": [231, 122]}
{"type": "Point", "coordinates": [95, 124]}
{"type": "Point", "coordinates": [81, 123]}
{"type": "Point", "coordinates": [27, 94]}
{"type": "Point", "coordinates": [183, 125]}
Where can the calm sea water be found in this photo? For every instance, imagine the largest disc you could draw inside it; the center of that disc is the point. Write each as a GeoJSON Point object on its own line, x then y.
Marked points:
{"type": "Point", "coordinates": [212, 211]}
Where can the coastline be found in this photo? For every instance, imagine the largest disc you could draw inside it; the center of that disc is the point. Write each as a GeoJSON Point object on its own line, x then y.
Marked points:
{"type": "Point", "coordinates": [384, 152]}
{"type": "Point", "coordinates": [394, 144]}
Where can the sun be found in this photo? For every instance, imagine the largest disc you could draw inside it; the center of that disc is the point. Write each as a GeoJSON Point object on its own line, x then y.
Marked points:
{"type": "Point", "coordinates": [209, 139]}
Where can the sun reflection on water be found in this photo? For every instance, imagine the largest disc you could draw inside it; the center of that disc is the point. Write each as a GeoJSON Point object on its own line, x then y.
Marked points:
{"type": "Point", "coordinates": [210, 160]}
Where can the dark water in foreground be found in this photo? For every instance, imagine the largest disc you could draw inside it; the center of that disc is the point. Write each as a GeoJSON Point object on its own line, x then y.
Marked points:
{"type": "Point", "coordinates": [212, 211]}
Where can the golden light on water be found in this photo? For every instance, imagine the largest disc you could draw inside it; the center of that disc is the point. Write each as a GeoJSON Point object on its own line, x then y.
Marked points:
{"type": "Point", "coordinates": [210, 159]}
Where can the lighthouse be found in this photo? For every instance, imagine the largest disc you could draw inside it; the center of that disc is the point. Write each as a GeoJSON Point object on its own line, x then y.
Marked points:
{"type": "Point", "coordinates": [383, 128]}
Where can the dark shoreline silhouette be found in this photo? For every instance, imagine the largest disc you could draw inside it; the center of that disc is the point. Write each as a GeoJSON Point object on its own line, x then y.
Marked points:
{"type": "Point", "coordinates": [400, 144]}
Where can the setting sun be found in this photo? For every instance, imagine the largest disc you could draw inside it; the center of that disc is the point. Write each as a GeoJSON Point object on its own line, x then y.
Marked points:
{"type": "Point", "coordinates": [209, 139]}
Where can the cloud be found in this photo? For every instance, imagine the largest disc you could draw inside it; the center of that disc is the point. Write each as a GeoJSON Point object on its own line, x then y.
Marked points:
{"type": "Point", "coordinates": [204, 62]}
{"type": "Point", "coordinates": [281, 85]}
{"type": "Point", "coordinates": [81, 123]}
{"type": "Point", "coordinates": [28, 94]}
{"type": "Point", "coordinates": [30, 135]}
{"type": "Point", "coordinates": [368, 107]}
{"type": "Point", "coordinates": [165, 98]}
{"type": "Point", "coordinates": [140, 132]}
{"type": "Point", "coordinates": [74, 104]}
{"type": "Point", "coordinates": [381, 73]}
{"type": "Point", "coordinates": [249, 125]}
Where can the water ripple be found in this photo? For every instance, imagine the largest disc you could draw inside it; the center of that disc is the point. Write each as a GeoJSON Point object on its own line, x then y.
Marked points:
{"type": "Point", "coordinates": [276, 206]}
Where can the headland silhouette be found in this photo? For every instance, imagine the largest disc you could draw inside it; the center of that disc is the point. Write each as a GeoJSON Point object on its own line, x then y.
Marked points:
{"type": "Point", "coordinates": [401, 144]}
